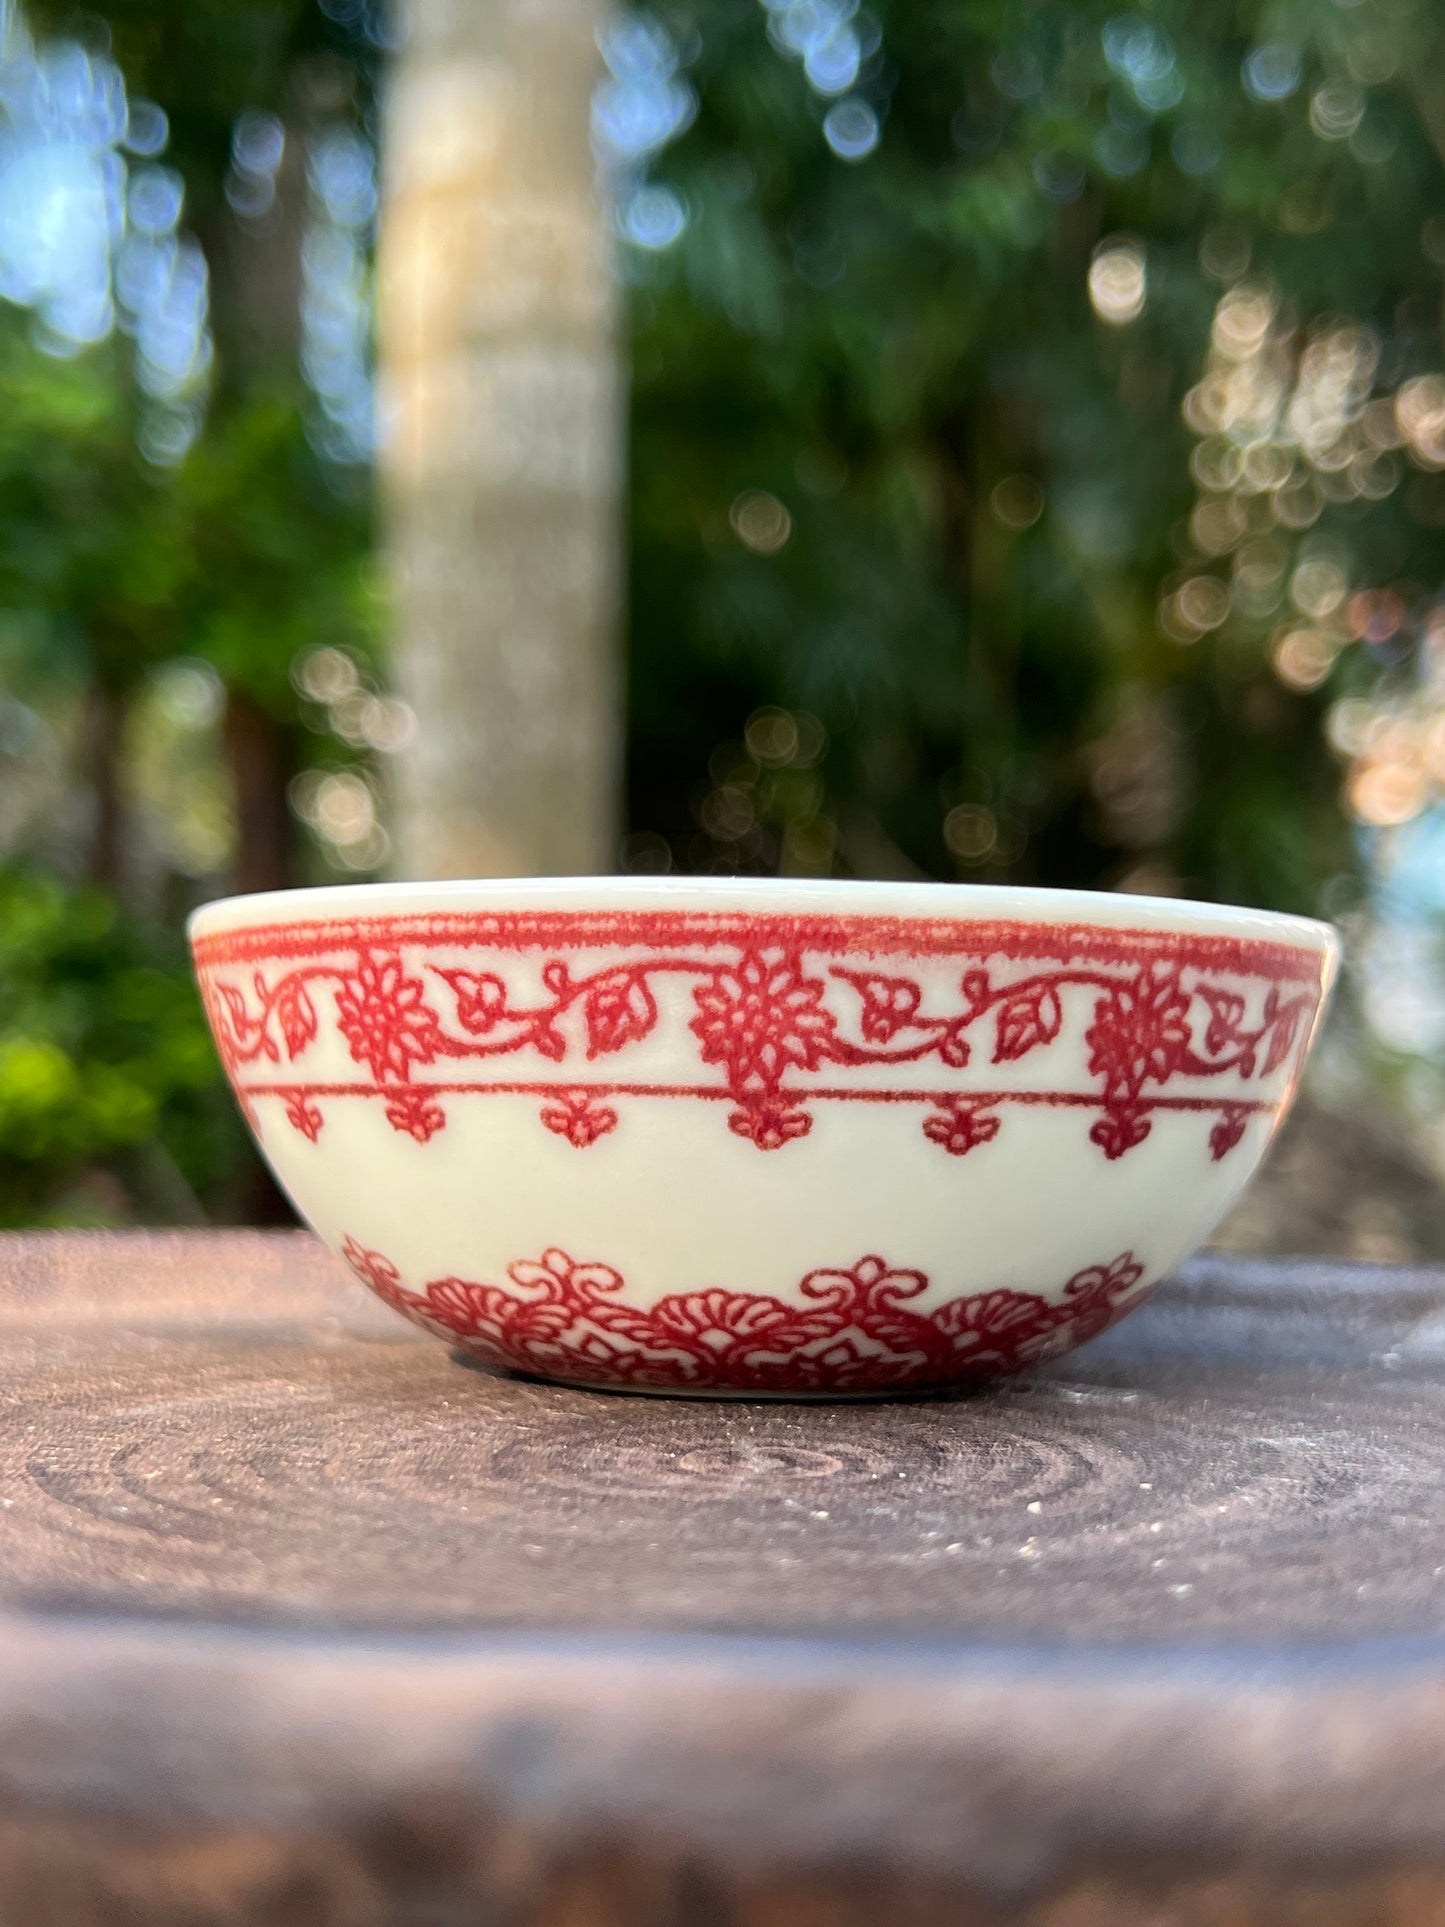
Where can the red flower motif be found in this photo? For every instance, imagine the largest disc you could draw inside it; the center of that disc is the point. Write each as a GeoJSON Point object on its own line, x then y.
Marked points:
{"type": "Point", "coordinates": [887, 1004]}
{"type": "Point", "coordinates": [1140, 1030]}
{"type": "Point", "coordinates": [385, 1019]}
{"type": "Point", "coordinates": [481, 999]}
{"type": "Point", "coordinates": [579, 1117]}
{"type": "Point", "coordinates": [769, 1123]}
{"type": "Point", "coordinates": [415, 1113]}
{"type": "Point", "coordinates": [1226, 1019]}
{"type": "Point", "coordinates": [958, 1125]}
{"type": "Point", "coordinates": [761, 1016]}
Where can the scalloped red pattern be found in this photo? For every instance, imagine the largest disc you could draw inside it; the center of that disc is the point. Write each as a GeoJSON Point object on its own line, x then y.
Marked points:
{"type": "Point", "coordinates": [853, 1332]}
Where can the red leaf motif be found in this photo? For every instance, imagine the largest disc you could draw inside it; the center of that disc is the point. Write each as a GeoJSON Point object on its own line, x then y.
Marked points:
{"type": "Point", "coordinates": [1226, 1014]}
{"type": "Point", "coordinates": [1282, 1035]}
{"type": "Point", "coordinates": [1030, 1018]}
{"type": "Point", "coordinates": [235, 1009]}
{"type": "Point", "coordinates": [1091, 1300]}
{"type": "Point", "coordinates": [481, 999]}
{"type": "Point", "coordinates": [619, 1010]}
{"type": "Point", "coordinates": [1227, 1131]}
{"type": "Point", "coordinates": [890, 1004]}
{"type": "Point", "coordinates": [306, 1117]}
{"type": "Point", "coordinates": [296, 1014]}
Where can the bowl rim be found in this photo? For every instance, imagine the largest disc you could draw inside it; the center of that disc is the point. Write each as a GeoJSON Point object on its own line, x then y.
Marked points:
{"type": "Point", "coordinates": [776, 896]}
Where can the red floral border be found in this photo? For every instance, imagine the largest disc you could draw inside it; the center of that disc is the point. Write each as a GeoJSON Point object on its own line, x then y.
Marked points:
{"type": "Point", "coordinates": [765, 1015]}
{"type": "Point", "coordinates": [853, 1330]}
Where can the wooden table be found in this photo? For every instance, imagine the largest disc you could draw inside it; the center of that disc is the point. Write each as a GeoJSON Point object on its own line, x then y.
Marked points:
{"type": "Point", "coordinates": [306, 1623]}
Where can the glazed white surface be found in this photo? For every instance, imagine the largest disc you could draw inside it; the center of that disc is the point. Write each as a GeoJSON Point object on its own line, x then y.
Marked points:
{"type": "Point", "coordinates": [674, 1199]}
{"type": "Point", "coordinates": [802, 896]}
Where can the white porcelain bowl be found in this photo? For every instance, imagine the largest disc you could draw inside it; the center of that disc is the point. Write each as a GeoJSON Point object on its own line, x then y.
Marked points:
{"type": "Point", "coordinates": [759, 1137]}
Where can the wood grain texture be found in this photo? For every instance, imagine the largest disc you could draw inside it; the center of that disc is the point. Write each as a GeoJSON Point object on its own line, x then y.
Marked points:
{"type": "Point", "coordinates": [227, 1427]}
{"type": "Point", "coordinates": [308, 1622]}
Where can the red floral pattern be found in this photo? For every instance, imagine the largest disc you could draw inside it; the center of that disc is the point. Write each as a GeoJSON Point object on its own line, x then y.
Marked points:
{"type": "Point", "coordinates": [577, 1116]}
{"type": "Point", "coordinates": [383, 1016]}
{"type": "Point", "coordinates": [759, 1020]}
{"type": "Point", "coordinates": [959, 1124]}
{"type": "Point", "coordinates": [770, 1008]}
{"type": "Point", "coordinates": [853, 1332]}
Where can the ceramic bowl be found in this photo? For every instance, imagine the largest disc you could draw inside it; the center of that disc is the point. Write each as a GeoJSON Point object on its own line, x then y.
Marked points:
{"type": "Point", "coordinates": [759, 1137]}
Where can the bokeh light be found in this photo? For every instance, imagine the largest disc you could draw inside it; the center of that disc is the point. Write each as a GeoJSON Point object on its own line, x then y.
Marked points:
{"type": "Point", "coordinates": [642, 104]}
{"type": "Point", "coordinates": [834, 41]}
{"type": "Point", "coordinates": [761, 522]}
{"type": "Point", "coordinates": [1141, 53]}
{"type": "Point", "coordinates": [851, 129]}
{"type": "Point", "coordinates": [1118, 282]}
{"type": "Point", "coordinates": [91, 240]}
{"type": "Point", "coordinates": [1272, 72]}
{"type": "Point", "coordinates": [1017, 501]}
{"type": "Point", "coordinates": [1292, 423]}
{"type": "Point", "coordinates": [336, 288]}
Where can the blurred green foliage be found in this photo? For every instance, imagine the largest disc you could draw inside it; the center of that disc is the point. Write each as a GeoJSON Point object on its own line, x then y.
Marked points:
{"type": "Point", "coordinates": [887, 347]}
{"type": "Point", "coordinates": [241, 555]}
{"type": "Point", "coordinates": [121, 563]}
{"type": "Point", "coordinates": [108, 1101]}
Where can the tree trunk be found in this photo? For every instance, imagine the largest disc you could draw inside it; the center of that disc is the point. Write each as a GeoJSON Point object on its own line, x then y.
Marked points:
{"type": "Point", "coordinates": [104, 722]}
{"type": "Point", "coordinates": [502, 456]}
{"type": "Point", "coordinates": [256, 753]}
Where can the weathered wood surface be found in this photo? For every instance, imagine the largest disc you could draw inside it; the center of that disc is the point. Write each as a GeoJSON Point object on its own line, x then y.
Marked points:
{"type": "Point", "coordinates": [305, 1621]}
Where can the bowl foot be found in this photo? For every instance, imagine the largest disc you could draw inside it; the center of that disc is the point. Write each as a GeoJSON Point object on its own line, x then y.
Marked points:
{"type": "Point", "coordinates": [740, 1395]}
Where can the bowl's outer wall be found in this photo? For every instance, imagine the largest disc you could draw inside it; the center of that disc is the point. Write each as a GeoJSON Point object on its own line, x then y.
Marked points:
{"type": "Point", "coordinates": [598, 1109]}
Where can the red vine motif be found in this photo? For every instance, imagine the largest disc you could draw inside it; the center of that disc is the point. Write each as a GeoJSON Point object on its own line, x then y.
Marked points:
{"type": "Point", "coordinates": [768, 1021]}
{"type": "Point", "coordinates": [853, 1332]}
